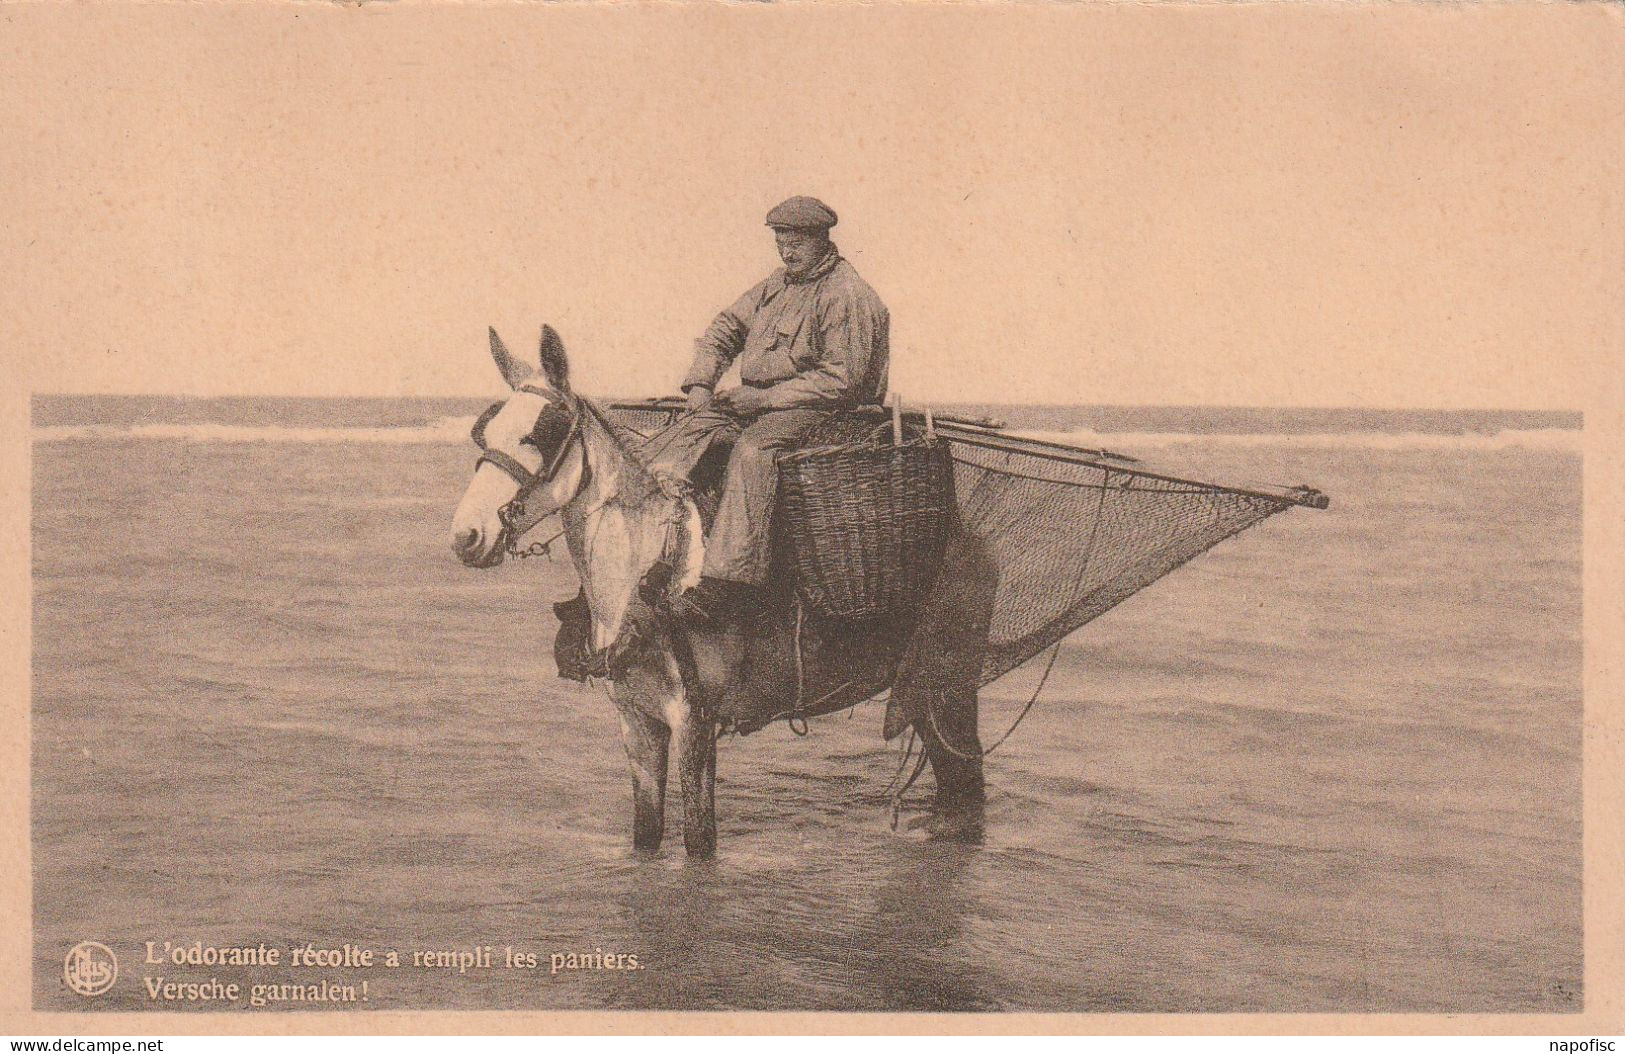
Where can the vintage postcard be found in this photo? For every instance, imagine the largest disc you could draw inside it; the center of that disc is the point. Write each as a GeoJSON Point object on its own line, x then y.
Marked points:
{"type": "Point", "coordinates": [906, 517]}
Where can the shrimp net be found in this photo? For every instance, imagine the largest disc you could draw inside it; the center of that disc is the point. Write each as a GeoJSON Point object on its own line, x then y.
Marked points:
{"type": "Point", "coordinates": [1051, 537]}
{"type": "Point", "coordinates": [1072, 540]}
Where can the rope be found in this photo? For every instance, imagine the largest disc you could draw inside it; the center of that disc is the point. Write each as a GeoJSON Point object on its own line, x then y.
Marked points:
{"type": "Point", "coordinates": [1049, 667]}
{"type": "Point", "coordinates": [798, 716]}
{"type": "Point", "coordinates": [821, 700]}
{"type": "Point", "coordinates": [643, 455]}
{"type": "Point", "coordinates": [919, 767]}
{"type": "Point", "coordinates": [907, 753]}
{"type": "Point", "coordinates": [647, 453]}
{"type": "Point", "coordinates": [931, 715]}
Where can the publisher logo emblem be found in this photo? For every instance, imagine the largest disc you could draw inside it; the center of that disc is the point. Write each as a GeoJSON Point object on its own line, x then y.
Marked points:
{"type": "Point", "coordinates": [91, 968]}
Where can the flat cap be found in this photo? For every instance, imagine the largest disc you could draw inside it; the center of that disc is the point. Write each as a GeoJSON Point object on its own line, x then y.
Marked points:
{"type": "Point", "coordinates": [802, 211]}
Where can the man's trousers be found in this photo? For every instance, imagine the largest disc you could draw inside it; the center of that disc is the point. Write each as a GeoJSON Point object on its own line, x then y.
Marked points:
{"type": "Point", "coordinates": [739, 547]}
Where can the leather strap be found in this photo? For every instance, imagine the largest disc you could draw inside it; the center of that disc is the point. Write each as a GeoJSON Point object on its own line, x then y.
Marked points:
{"type": "Point", "coordinates": [509, 464]}
{"type": "Point", "coordinates": [518, 472]}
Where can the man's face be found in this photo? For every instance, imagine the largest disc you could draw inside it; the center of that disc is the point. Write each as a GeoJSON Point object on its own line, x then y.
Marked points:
{"type": "Point", "coordinates": [800, 249]}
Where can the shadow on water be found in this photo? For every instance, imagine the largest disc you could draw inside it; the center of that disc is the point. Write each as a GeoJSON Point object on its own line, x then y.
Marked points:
{"type": "Point", "coordinates": [919, 928]}
{"type": "Point", "coordinates": [889, 939]}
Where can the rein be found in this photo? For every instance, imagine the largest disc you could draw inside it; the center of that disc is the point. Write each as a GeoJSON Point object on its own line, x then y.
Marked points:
{"type": "Point", "coordinates": [529, 482]}
{"type": "Point", "coordinates": [505, 461]}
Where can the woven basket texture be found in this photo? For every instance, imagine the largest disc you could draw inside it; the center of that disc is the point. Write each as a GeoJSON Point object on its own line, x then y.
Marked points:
{"type": "Point", "coordinates": [864, 523]}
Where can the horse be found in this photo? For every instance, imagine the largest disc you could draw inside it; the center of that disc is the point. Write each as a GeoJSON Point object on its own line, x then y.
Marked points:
{"type": "Point", "coordinates": [547, 450]}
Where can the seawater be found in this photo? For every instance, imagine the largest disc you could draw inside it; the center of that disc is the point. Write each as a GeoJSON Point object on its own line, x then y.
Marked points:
{"type": "Point", "coordinates": [1333, 765]}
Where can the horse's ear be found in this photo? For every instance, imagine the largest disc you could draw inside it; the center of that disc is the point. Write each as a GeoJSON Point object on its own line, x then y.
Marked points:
{"type": "Point", "coordinates": [555, 364]}
{"type": "Point", "coordinates": [513, 371]}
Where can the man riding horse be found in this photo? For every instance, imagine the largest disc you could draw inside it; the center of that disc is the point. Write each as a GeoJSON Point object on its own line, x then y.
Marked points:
{"type": "Point", "coordinates": [810, 341]}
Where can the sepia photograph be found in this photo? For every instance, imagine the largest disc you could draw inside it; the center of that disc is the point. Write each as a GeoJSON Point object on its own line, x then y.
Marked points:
{"type": "Point", "coordinates": [987, 510]}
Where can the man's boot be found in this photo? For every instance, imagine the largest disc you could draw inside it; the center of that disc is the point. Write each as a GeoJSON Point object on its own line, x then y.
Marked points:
{"type": "Point", "coordinates": [714, 602]}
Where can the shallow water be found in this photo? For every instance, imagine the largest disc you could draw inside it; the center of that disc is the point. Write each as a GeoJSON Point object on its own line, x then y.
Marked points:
{"type": "Point", "coordinates": [1332, 765]}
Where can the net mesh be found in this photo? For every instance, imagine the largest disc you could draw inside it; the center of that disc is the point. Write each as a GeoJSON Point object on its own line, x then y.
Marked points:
{"type": "Point", "coordinates": [1064, 541]}
{"type": "Point", "coordinates": [1071, 541]}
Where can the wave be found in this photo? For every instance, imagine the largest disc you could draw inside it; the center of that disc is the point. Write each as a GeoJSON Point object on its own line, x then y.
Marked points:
{"type": "Point", "coordinates": [1562, 439]}
{"type": "Point", "coordinates": [439, 431]}
{"type": "Point", "coordinates": [454, 429]}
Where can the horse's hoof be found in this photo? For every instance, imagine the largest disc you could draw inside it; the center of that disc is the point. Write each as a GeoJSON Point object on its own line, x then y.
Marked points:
{"type": "Point", "coordinates": [953, 825]}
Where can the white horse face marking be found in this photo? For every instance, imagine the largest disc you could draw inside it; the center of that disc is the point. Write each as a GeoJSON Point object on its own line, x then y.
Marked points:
{"type": "Point", "coordinates": [476, 528]}
{"type": "Point", "coordinates": [477, 532]}
{"type": "Point", "coordinates": [478, 535]}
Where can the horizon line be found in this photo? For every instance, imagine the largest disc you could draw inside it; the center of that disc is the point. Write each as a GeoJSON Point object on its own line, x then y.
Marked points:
{"type": "Point", "coordinates": [1296, 407]}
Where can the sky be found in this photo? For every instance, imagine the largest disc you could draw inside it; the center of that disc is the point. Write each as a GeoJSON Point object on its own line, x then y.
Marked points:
{"type": "Point", "coordinates": [1245, 205]}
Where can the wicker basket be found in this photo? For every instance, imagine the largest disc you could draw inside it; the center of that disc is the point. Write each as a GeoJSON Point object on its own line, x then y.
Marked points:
{"type": "Point", "coordinates": [864, 524]}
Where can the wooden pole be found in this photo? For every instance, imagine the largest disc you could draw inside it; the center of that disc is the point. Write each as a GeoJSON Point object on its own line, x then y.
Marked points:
{"type": "Point", "coordinates": [984, 432]}
{"type": "Point", "coordinates": [672, 403]}
{"type": "Point", "coordinates": [1308, 497]}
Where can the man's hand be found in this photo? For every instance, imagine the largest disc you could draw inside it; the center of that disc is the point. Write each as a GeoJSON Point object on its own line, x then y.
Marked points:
{"type": "Point", "coordinates": [742, 400]}
{"type": "Point", "coordinates": [698, 396]}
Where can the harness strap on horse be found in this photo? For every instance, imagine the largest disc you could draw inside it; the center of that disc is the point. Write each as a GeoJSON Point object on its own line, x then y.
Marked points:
{"type": "Point", "coordinates": [558, 427]}
{"type": "Point", "coordinates": [653, 588]}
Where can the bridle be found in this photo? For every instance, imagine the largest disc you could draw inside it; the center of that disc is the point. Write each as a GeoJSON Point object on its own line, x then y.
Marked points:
{"type": "Point", "coordinates": [559, 423]}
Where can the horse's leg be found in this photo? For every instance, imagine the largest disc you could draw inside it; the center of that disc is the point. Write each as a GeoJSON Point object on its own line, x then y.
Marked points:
{"type": "Point", "coordinates": [955, 752]}
{"type": "Point", "coordinates": [945, 666]}
{"type": "Point", "coordinates": [646, 742]}
{"type": "Point", "coordinates": [697, 769]}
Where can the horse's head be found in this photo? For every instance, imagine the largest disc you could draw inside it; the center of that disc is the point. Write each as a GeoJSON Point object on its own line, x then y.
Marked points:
{"type": "Point", "coordinates": [527, 468]}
